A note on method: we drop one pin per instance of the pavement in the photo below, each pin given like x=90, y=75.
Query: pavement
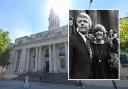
x=16, y=84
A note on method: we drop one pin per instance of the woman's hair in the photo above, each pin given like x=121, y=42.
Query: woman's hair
x=100, y=27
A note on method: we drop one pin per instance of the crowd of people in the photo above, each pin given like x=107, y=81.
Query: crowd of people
x=93, y=51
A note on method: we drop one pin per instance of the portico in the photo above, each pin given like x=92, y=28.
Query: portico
x=45, y=58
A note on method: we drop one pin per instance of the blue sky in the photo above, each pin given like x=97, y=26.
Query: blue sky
x=25, y=17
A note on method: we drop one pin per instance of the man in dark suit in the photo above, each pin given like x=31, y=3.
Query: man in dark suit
x=79, y=51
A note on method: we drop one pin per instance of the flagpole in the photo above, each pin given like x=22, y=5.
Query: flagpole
x=89, y=6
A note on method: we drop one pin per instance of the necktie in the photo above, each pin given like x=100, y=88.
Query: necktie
x=88, y=46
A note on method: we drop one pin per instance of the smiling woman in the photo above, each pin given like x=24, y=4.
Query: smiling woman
x=61, y=7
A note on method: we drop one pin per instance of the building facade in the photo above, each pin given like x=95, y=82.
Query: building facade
x=42, y=52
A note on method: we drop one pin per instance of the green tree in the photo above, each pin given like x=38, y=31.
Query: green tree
x=4, y=47
x=124, y=34
x=4, y=41
x=4, y=58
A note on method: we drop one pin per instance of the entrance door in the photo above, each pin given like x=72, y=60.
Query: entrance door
x=47, y=66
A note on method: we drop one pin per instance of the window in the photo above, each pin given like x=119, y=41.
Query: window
x=62, y=57
x=61, y=51
x=47, y=53
x=34, y=64
x=34, y=55
x=62, y=62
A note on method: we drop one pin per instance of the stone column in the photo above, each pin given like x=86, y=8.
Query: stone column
x=23, y=60
x=40, y=57
x=36, y=59
x=15, y=58
x=10, y=68
x=42, y=60
x=20, y=62
x=27, y=60
x=113, y=19
x=93, y=16
x=66, y=55
x=58, y=58
x=54, y=57
x=50, y=59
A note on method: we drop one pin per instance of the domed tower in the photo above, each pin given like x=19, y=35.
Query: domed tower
x=54, y=21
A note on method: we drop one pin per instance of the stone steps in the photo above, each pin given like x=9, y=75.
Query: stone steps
x=61, y=78
x=10, y=76
x=58, y=78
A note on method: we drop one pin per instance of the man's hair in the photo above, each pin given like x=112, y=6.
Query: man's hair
x=84, y=15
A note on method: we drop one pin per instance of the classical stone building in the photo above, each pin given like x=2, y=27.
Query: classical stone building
x=42, y=52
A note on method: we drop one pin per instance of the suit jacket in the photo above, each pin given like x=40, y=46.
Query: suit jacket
x=79, y=60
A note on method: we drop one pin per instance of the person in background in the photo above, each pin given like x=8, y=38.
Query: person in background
x=26, y=82
x=71, y=32
x=81, y=83
x=115, y=43
x=114, y=54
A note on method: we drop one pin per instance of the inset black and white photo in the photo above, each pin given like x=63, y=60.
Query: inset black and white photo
x=93, y=44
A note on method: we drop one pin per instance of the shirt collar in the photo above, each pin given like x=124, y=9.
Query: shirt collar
x=83, y=36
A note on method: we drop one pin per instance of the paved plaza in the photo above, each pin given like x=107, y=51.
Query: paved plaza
x=15, y=84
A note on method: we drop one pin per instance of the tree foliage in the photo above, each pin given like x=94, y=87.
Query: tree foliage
x=124, y=34
x=4, y=41
x=4, y=47
x=4, y=58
